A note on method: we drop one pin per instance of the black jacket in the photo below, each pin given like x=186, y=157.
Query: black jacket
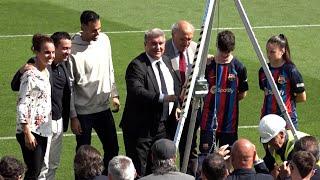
x=248, y=174
x=142, y=111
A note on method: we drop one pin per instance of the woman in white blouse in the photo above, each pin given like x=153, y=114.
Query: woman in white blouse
x=34, y=106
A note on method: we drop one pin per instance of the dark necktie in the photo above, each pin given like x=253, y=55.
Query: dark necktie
x=165, y=111
x=163, y=82
x=182, y=67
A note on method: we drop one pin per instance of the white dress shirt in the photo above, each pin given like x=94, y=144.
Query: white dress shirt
x=167, y=77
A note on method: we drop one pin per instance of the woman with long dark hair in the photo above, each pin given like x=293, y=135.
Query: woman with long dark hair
x=287, y=77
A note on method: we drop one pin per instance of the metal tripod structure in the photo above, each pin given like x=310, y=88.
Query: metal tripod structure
x=197, y=86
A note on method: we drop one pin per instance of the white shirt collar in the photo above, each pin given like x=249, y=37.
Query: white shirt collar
x=152, y=60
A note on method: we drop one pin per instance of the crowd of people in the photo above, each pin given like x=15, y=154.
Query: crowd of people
x=71, y=80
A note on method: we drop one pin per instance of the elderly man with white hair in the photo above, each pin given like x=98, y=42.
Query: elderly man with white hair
x=121, y=168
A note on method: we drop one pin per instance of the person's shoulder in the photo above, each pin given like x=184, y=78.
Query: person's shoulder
x=289, y=65
x=259, y=176
x=31, y=60
x=300, y=134
x=168, y=42
x=142, y=58
x=76, y=37
x=180, y=175
x=77, y=41
x=264, y=176
x=30, y=74
x=165, y=58
x=103, y=36
x=150, y=176
x=101, y=177
x=261, y=70
x=168, y=47
x=170, y=175
x=193, y=46
x=290, y=68
x=186, y=176
x=237, y=63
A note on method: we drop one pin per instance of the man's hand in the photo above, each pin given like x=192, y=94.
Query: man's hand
x=284, y=170
x=223, y=151
x=178, y=113
x=275, y=172
x=76, y=126
x=115, y=104
x=169, y=98
x=210, y=58
x=26, y=67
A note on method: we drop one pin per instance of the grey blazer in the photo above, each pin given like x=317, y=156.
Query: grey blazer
x=173, y=56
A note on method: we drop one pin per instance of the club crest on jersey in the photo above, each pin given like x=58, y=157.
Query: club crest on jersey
x=231, y=77
x=281, y=79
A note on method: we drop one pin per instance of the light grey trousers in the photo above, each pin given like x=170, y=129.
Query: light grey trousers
x=52, y=156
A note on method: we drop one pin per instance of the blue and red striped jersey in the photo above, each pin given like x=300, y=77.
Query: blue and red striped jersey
x=225, y=82
x=289, y=81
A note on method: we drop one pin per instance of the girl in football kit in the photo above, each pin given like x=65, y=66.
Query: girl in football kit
x=286, y=76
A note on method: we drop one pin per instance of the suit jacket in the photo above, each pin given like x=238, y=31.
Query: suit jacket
x=248, y=174
x=15, y=86
x=142, y=111
x=170, y=52
x=169, y=176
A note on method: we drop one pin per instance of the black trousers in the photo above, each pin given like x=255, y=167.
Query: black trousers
x=139, y=148
x=103, y=124
x=33, y=159
x=193, y=157
x=220, y=139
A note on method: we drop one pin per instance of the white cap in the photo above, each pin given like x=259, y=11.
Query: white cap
x=270, y=126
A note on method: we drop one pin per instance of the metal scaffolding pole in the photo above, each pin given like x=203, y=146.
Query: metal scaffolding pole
x=197, y=86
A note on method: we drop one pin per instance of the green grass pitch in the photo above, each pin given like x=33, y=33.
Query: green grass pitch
x=125, y=20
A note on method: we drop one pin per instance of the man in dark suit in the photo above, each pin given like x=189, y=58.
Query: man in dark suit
x=151, y=101
x=180, y=50
x=243, y=158
x=60, y=90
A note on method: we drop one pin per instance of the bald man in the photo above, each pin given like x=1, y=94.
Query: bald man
x=181, y=49
x=243, y=158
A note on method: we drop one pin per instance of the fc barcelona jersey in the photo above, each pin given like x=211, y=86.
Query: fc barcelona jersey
x=225, y=82
x=288, y=81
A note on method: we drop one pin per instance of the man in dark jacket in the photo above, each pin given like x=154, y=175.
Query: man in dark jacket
x=151, y=101
x=60, y=95
x=243, y=158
